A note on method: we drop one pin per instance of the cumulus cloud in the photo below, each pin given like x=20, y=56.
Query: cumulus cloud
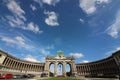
x=85, y=61
x=77, y=55
x=16, y=41
x=52, y=19
x=32, y=27
x=8, y=40
x=89, y=6
x=30, y=58
x=49, y=2
x=112, y=51
x=114, y=29
x=14, y=21
x=20, y=40
x=16, y=9
x=81, y=20
x=23, y=43
x=33, y=7
x=19, y=20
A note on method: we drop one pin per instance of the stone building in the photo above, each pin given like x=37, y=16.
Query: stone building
x=107, y=66
x=10, y=64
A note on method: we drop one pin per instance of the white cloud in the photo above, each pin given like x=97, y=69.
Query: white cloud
x=114, y=29
x=89, y=5
x=18, y=20
x=85, y=61
x=103, y=1
x=77, y=55
x=30, y=58
x=81, y=20
x=33, y=7
x=23, y=43
x=14, y=21
x=8, y=40
x=52, y=19
x=32, y=27
x=19, y=23
x=112, y=51
x=20, y=40
x=16, y=41
x=118, y=48
x=16, y=9
x=50, y=2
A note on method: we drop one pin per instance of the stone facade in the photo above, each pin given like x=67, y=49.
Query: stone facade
x=10, y=64
x=107, y=66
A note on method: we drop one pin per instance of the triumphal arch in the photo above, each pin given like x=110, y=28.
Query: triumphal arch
x=60, y=59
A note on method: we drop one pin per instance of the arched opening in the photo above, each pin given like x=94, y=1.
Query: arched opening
x=68, y=70
x=51, y=68
x=60, y=69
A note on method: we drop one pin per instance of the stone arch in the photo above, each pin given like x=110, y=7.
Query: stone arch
x=51, y=63
x=60, y=67
x=51, y=69
x=69, y=73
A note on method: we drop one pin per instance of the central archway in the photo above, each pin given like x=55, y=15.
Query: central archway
x=60, y=69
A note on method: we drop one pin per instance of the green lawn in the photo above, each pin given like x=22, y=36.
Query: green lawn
x=59, y=79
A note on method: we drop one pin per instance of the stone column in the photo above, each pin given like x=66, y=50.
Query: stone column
x=64, y=69
x=73, y=67
x=8, y=61
x=55, y=69
x=5, y=62
x=47, y=68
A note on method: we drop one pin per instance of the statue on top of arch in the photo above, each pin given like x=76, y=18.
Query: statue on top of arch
x=60, y=55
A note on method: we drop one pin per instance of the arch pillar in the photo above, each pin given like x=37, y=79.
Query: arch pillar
x=73, y=68
x=64, y=69
x=55, y=69
x=47, y=68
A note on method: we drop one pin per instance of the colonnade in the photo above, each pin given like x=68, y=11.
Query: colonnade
x=105, y=66
x=22, y=65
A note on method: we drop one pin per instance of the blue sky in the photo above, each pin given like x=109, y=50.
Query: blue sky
x=87, y=29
